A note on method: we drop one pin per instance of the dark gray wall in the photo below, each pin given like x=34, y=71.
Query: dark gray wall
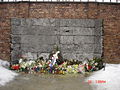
x=76, y=38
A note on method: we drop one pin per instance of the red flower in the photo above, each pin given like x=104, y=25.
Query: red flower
x=15, y=67
x=89, y=67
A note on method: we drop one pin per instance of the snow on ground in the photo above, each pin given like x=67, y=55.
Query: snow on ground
x=5, y=74
x=4, y=63
x=109, y=79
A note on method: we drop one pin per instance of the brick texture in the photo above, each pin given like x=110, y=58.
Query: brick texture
x=110, y=13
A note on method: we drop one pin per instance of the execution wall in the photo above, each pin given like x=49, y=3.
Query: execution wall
x=78, y=39
x=109, y=13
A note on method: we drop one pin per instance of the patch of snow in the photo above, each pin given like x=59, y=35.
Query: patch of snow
x=110, y=76
x=5, y=74
x=4, y=63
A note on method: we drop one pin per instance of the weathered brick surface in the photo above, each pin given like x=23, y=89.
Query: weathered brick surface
x=110, y=13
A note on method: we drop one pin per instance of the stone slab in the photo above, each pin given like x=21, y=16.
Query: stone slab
x=83, y=39
x=66, y=39
x=45, y=22
x=71, y=48
x=16, y=39
x=77, y=23
x=83, y=31
x=47, y=30
x=15, y=21
x=66, y=30
x=77, y=38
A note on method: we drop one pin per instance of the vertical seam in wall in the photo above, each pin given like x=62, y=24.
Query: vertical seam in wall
x=49, y=10
x=57, y=25
x=29, y=10
x=11, y=35
x=10, y=41
x=98, y=10
x=18, y=9
x=87, y=9
x=103, y=39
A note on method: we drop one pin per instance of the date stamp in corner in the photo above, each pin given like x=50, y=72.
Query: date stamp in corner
x=96, y=81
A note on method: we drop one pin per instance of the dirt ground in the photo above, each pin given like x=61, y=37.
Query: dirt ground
x=47, y=82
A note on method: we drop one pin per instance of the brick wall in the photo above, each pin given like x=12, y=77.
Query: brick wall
x=110, y=13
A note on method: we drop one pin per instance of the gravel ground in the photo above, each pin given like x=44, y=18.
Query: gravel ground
x=47, y=82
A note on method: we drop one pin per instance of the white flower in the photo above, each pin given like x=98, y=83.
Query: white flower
x=21, y=60
x=96, y=63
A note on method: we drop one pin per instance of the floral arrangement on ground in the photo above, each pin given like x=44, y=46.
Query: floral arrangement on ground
x=55, y=64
